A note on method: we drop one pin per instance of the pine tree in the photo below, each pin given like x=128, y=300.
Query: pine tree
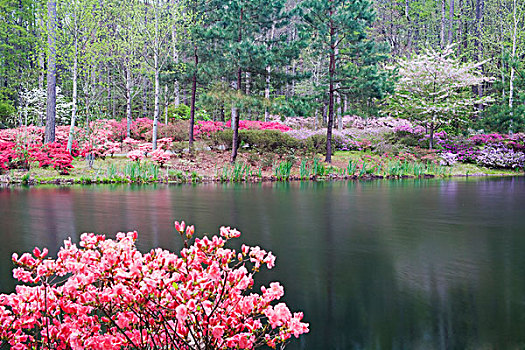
x=335, y=28
x=240, y=31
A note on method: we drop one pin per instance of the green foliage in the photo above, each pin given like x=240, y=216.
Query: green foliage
x=261, y=140
x=180, y=112
x=282, y=170
x=7, y=111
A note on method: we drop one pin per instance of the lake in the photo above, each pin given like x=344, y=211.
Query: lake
x=404, y=264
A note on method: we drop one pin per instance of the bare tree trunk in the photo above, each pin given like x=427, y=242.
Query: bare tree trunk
x=193, y=97
x=156, y=110
x=235, y=110
x=157, y=82
x=339, y=113
x=75, y=83
x=176, y=87
x=128, y=100
x=409, y=27
x=40, y=78
x=267, y=94
x=331, y=73
x=268, y=81
x=51, y=72
x=443, y=25
x=513, y=58
x=451, y=23
x=235, y=121
x=145, y=99
x=479, y=44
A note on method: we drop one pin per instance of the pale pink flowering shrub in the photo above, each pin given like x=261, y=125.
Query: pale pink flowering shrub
x=136, y=155
x=160, y=156
x=164, y=142
x=105, y=294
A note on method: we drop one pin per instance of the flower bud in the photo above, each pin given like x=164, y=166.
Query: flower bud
x=190, y=230
x=180, y=226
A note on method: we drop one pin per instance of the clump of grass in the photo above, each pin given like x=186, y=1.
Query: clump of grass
x=351, y=167
x=318, y=168
x=283, y=170
x=304, y=170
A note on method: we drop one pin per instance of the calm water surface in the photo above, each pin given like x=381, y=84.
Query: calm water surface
x=411, y=264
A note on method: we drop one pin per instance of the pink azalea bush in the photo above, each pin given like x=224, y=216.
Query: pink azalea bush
x=160, y=156
x=105, y=294
x=210, y=127
x=136, y=155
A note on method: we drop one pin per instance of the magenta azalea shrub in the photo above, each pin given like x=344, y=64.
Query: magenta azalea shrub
x=105, y=294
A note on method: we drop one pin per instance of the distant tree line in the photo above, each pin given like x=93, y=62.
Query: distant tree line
x=243, y=59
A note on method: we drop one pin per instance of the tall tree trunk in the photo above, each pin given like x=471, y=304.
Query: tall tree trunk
x=193, y=96
x=235, y=121
x=157, y=82
x=51, y=72
x=339, y=113
x=128, y=100
x=451, y=22
x=41, y=65
x=479, y=44
x=331, y=73
x=156, y=110
x=268, y=79
x=75, y=94
x=409, y=27
x=513, y=58
x=176, y=87
x=166, y=103
x=443, y=24
x=235, y=110
x=267, y=94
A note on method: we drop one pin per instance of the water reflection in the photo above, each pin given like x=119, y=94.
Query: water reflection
x=409, y=264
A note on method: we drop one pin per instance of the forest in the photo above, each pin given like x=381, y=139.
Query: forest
x=72, y=62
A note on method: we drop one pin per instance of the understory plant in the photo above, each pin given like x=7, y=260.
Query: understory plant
x=105, y=294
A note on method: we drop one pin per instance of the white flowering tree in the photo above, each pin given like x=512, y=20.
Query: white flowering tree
x=33, y=102
x=435, y=89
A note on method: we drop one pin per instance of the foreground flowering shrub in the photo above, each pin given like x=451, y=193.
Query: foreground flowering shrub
x=105, y=294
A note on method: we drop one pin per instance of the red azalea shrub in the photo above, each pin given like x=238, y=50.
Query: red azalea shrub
x=61, y=160
x=105, y=294
x=18, y=155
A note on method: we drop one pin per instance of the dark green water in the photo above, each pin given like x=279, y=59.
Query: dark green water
x=412, y=264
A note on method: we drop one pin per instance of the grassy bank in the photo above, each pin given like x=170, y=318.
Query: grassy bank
x=210, y=166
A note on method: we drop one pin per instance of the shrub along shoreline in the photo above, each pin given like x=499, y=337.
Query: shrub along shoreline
x=198, y=168
x=269, y=151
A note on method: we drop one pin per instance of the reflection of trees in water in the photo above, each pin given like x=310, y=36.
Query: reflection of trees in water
x=374, y=265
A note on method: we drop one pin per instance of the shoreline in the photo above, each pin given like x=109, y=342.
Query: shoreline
x=61, y=181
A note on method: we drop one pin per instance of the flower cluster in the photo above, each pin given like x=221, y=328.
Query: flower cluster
x=499, y=156
x=136, y=155
x=160, y=156
x=19, y=154
x=210, y=127
x=448, y=158
x=105, y=294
